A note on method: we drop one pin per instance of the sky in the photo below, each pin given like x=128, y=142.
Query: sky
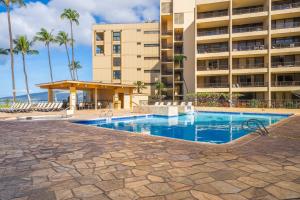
x=46, y=14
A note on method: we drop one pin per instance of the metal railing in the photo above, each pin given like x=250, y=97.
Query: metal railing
x=286, y=25
x=285, y=45
x=214, y=85
x=167, y=59
x=213, y=50
x=250, y=66
x=164, y=46
x=286, y=6
x=240, y=11
x=248, y=48
x=209, y=68
x=285, y=83
x=167, y=72
x=221, y=13
x=288, y=103
x=250, y=84
x=168, y=33
x=285, y=64
x=212, y=32
x=248, y=29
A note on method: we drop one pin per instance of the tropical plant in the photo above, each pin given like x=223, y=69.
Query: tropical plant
x=140, y=85
x=76, y=66
x=159, y=86
x=23, y=46
x=179, y=59
x=3, y=51
x=63, y=39
x=46, y=37
x=73, y=17
x=8, y=4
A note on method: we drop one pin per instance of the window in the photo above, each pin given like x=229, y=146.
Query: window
x=139, y=69
x=117, y=49
x=151, y=45
x=117, y=74
x=179, y=18
x=138, y=30
x=99, y=36
x=116, y=36
x=166, y=7
x=139, y=43
x=117, y=62
x=138, y=56
x=99, y=49
x=152, y=32
x=151, y=58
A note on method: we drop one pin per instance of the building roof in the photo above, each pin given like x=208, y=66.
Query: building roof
x=66, y=84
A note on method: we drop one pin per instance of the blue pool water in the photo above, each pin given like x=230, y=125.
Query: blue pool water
x=208, y=127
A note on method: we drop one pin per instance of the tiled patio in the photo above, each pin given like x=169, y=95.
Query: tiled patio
x=59, y=160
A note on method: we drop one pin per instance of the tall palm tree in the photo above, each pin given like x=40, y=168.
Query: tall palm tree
x=140, y=86
x=7, y=4
x=63, y=39
x=47, y=38
x=76, y=66
x=3, y=51
x=73, y=17
x=159, y=86
x=23, y=46
x=179, y=59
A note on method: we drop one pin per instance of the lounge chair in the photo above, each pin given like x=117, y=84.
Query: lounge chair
x=169, y=103
x=190, y=104
x=13, y=106
x=183, y=104
x=15, y=109
x=27, y=108
x=50, y=107
x=175, y=103
x=40, y=106
x=47, y=107
x=156, y=104
x=162, y=103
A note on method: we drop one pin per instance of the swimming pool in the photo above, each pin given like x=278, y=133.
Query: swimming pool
x=211, y=127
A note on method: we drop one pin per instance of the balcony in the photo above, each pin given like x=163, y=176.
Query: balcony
x=166, y=47
x=248, y=29
x=213, y=50
x=249, y=48
x=212, y=68
x=248, y=10
x=178, y=38
x=250, y=66
x=285, y=45
x=218, y=31
x=285, y=6
x=285, y=83
x=167, y=72
x=214, y=85
x=212, y=14
x=167, y=33
x=285, y=25
x=166, y=8
x=285, y=64
x=167, y=59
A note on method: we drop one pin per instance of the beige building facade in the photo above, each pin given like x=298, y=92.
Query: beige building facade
x=248, y=47
x=127, y=53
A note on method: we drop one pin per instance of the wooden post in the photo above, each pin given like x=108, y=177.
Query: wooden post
x=50, y=95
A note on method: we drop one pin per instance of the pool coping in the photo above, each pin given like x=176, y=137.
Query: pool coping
x=239, y=141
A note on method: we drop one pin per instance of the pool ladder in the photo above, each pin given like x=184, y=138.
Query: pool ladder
x=256, y=126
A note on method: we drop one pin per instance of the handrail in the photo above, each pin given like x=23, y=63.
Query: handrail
x=285, y=64
x=258, y=127
x=286, y=25
x=240, y=11
x=285, y=45
x=286, y=6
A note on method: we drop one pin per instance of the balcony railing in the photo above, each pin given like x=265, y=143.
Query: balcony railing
x=285, y=83
x=167, y=33
x=178, y=51
x=167, y=72
x=214, y=85
x=213, y=50
x=210, y=68
x=285, y=64
x=221, y=13
x=286, y=6
x=250, y=84
x=285, y=45
x=213, y=32
x=240, y=11
x=167, y=59
x=167, y=46
x=286, y=25
x=178, y=37
x=250, y=66
x=248, y=29
x=249, y=48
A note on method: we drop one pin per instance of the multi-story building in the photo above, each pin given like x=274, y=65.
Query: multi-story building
x=127, y=53
x=250, y=47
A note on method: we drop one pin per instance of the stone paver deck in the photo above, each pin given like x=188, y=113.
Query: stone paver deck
x=58, y=160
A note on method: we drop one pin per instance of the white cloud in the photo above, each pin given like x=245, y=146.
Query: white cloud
x=28, y=20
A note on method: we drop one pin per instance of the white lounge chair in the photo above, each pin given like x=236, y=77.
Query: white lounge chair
x=162, y=103
x=183, y=104
x=13, y=106
x=15, y=109
x=190, y=104
x=169, y=103
x=175, y=103
x=156, y=104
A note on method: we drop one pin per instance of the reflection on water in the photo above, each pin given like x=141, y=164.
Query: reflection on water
x=202, y=127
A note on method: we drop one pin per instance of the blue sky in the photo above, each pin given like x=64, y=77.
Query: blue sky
x=44, y=13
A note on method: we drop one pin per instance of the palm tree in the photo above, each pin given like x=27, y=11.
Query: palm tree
x=7, y=4
x=159, y=86
x=47, y=38
x=3, y=51
x=179, y=59
x=140, y=86
x=77, y=66
x=73, y=17
x=63, y=39
x=23, y=46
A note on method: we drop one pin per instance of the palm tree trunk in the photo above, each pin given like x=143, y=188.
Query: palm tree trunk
x=73, y=56
x=77, y=74
x=26, y=78
x=69, y=62
x=50, y=65
x=12, y=64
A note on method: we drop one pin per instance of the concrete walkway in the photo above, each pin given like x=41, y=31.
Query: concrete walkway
x=59, y=160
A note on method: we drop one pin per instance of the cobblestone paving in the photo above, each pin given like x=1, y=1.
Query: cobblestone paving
x=59, y=160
